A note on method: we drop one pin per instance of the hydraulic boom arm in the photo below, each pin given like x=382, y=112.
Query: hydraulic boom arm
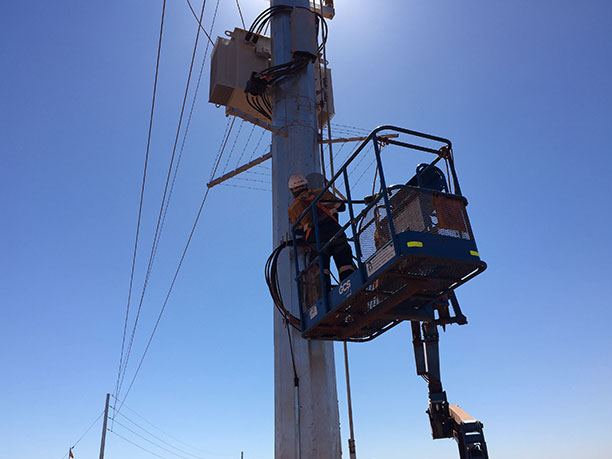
x=447, y=421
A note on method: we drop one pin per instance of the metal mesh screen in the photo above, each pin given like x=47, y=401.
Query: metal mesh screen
x=414, y=209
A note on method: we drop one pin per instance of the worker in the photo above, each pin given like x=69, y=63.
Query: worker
x=429, y=177
x=327, y=218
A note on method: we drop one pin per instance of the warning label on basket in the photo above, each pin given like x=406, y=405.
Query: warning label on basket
x=379, y=259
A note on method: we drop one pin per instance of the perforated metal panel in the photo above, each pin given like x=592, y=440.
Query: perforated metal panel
x=414, y=209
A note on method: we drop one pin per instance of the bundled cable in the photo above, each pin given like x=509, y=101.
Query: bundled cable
x=271, y=272
x=260, y=21
x=257, y=87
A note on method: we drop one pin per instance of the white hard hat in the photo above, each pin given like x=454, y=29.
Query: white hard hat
x=297, y=181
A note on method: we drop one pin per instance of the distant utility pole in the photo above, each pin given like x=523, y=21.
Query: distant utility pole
x=103, y=441
x=306, y=415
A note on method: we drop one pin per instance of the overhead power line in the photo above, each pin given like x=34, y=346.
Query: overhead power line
x=257, y=146
x=150, y=441
x=144, y=177
x=86, y=432
x=240, y=12
x=200, y=23
x=245, y=146
x=188, y=124
x=233, y=146
x=161, y=210
x=157, y=438
x=137, y=445
x=178, y=269
x=163, y=432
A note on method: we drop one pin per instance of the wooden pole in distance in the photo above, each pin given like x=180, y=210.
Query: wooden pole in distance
x=103, y=441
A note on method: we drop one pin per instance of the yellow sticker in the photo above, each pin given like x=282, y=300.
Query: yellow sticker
x=415, y=244
x=473, y=252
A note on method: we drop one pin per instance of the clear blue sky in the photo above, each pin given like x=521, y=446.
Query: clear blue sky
x=523, y=90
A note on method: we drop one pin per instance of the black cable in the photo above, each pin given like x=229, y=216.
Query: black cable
x=149, y=441
x=167, y=295
x=157, y=229
x=245, y=187
x=137, y=445
x=263, y=18
x=271, y=275
x=178, y=269
x=156, y=427
x=258, y=82
x=241, y=17
x=144, y=176
x=233, y=146
x=245, y=146
x=257, y=146
x=199, y=21
x=254, y=103
x=157, y=438
x=296, y=379
x=193, y=101
x=87, y=431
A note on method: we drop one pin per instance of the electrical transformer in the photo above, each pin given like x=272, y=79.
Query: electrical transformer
x=232, y=63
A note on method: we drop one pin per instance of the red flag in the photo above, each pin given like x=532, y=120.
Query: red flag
x=70, y=455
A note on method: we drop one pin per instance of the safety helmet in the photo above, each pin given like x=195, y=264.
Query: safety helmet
x=297, y=181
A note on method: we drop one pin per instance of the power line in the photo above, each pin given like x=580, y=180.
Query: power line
x=200, y=23
x=244, y=187
x=178, y=440
x=267, y=182
x=241, y=17
x=245, y=146
x=229, y=123
x=258, y=173
x=157, y=438
x=137, y=445
x=157, y=229
x=150, y=441
x=257, y=146
x=195, y=95
x=161, y=312
x=363, y=173
x=86, y=432
x=144, y=176
x=233, y=146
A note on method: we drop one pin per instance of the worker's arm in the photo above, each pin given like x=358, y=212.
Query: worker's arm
x=333, y=203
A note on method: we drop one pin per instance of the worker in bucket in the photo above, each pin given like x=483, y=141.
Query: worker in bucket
x=327, y=218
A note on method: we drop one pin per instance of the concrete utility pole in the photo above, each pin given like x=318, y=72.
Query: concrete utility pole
x=306, y=419
x=103, y=441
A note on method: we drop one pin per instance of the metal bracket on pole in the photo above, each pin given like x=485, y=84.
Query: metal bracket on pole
x=252, y=119
x=355, y=139
x=239, y=170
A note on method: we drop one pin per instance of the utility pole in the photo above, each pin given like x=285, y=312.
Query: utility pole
x=103, y=441
x=306, y=415
x=351, y=442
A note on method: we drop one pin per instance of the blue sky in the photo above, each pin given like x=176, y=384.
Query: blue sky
x=523, y=90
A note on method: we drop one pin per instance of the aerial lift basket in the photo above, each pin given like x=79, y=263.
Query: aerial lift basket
x=406, y=264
